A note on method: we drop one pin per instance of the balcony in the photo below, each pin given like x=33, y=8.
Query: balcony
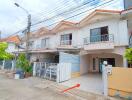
x=99, y=42
x=47, y=46
x=65, y=42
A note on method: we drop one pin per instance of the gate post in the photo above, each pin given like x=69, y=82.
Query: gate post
x=105, y=80
x=13, y=65
x=107, y=70
x=34, y=68
x=3, y=65
x=58, y=73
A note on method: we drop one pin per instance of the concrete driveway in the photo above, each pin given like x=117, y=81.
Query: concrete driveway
x=27, y=89
x=39, y=89
x=89, y=82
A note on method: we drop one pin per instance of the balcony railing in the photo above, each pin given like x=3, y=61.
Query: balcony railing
x=66, y=42
x=99, y=38
x=45, y=46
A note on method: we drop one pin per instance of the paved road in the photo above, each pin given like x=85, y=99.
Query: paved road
x=38, y=89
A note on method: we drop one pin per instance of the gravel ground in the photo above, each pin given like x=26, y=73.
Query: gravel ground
x=40, y=89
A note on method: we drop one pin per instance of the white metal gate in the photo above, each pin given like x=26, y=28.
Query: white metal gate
x=52, y=71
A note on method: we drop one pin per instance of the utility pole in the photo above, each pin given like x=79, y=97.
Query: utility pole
x=28, y=35
x=28, y=29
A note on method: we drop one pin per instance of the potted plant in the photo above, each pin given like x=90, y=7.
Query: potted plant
x=23, y=64
x=28, y=71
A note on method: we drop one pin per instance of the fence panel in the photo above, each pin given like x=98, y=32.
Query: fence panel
x=8, y=64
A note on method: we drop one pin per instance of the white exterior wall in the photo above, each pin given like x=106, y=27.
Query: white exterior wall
x=75, y=38
x=52, y=41
x=115, y=27
x=123, y=33
x=11, y=47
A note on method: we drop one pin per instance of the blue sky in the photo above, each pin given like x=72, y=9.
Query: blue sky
x=13, y=19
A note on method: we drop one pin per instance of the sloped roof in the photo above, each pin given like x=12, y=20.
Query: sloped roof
x=14, y=39
x=97, y=12
x=42, y=30
x=63, y=25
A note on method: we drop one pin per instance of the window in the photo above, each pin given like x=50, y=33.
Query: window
x=45, y=42
x=30, y=44
x=66, y=39
x=99, y=34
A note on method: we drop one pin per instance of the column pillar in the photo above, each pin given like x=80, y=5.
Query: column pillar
x=125, y=62
x=3, y=66
x=13, y=66
x=34, y=68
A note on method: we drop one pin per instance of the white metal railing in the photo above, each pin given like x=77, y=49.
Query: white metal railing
x=58, y=72
x=45, y=46
x=99, y=38
x=7, y=65
x=66, y=42
x=45, y=70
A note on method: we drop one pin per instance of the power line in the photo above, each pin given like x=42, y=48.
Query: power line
x=62, y=13
x=79, y=13
x=58, y=7
x=73, y=15
x=55, y=10
x=73, y=8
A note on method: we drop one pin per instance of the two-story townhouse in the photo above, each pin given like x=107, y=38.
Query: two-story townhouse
x=107, y=39
x=100, y=36
x=42, y=46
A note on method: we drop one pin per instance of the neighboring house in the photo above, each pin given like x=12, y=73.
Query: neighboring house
x=127, y=4
x=13, y=42
x=127, y=14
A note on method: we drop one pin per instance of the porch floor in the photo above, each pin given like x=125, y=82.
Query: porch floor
x=89, y=82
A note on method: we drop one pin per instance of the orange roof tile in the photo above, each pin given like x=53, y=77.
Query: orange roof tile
x=61, y=24
x=109, y=11
x=14, y=39
x=99, y=11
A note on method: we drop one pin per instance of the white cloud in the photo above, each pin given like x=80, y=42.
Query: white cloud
x=13, y=19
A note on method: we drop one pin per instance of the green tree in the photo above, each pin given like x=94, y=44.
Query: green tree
x=3, y=54
x=128, y=55
x=23, y=63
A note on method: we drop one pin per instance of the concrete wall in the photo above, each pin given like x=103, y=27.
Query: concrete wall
x=84, y=64
x=120, y=82
x=43, y=57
